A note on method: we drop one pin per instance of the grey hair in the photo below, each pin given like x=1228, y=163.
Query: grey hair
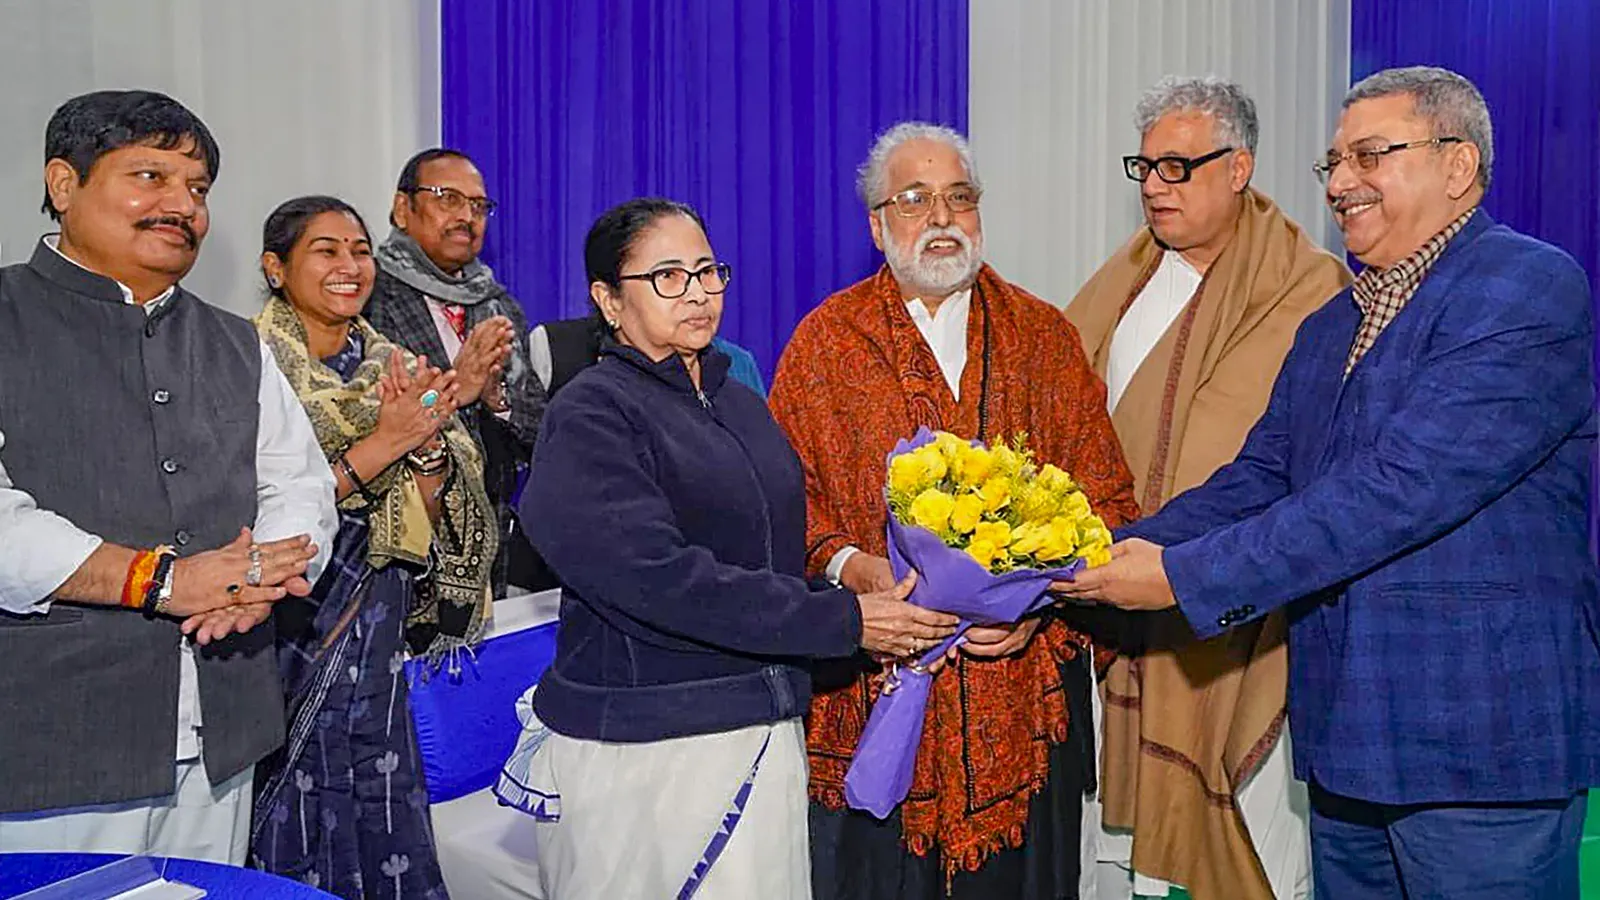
x=1449, y=102
x=872, y=177
x=1226, y=102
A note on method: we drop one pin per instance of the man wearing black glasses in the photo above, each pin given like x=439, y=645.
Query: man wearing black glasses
x=437, y=299
x=1187, y=323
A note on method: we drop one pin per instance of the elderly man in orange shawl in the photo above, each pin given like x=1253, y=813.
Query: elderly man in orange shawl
x=937, y=338
x=1188, y=324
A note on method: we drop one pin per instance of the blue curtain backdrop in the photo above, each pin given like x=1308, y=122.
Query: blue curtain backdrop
x=1537, y=63
x=755, y=111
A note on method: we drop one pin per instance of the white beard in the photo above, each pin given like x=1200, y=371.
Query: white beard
x=939, y=275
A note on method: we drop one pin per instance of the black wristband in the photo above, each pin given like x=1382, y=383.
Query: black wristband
x=152, y=594
x=355, y=480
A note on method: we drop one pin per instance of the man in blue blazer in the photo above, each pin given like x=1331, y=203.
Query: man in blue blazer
x=1416, y=495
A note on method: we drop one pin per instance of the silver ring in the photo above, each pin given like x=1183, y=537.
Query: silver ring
x=252, y=576
x=429, y=397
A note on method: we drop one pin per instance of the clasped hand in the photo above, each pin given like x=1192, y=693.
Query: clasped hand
x=211, y=593
x=870, y=576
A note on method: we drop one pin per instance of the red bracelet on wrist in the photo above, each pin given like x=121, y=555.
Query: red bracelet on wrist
x=141, y=574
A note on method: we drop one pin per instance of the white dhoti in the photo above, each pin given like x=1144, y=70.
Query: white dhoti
x=635, y=819
x=196, y=821
x=1276, y=809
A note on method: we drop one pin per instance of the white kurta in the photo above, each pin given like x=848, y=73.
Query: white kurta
x=1275, y=807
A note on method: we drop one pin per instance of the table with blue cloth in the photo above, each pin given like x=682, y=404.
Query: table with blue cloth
x=24, y=872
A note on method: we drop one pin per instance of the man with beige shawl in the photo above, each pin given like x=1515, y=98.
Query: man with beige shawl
x=1188, y=323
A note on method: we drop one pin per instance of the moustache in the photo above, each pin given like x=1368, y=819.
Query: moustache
x=468, y=230
x=1344, y=202
x=949, y=232
x=181, y=224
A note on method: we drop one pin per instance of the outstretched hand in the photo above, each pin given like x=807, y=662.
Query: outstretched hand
x=1135, y=579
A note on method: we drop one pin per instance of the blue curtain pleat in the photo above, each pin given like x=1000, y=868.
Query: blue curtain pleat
x=755, y=111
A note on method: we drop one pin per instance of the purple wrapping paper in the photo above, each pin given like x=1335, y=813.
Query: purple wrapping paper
x=950, y=581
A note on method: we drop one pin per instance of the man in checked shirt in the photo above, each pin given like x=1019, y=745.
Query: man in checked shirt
x=1416, y=497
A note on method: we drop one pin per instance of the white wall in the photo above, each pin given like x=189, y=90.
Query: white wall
x=1054, y=83
x=304, y=96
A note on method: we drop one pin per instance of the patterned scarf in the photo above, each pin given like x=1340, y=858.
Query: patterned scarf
x=856, y=376
x=455, y=604
x=1187, y=720
x=400, y=256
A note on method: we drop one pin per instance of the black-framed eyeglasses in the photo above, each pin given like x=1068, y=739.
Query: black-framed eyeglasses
x=1367, y=158
x=1171, y=169
x=918, y=202
x=453, y=201
x=673, y=282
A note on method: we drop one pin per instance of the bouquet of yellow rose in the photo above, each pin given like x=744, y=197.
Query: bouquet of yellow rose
x=986, y=529
x=996, y=504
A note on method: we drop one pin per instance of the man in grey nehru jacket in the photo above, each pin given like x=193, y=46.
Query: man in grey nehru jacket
x=160, y=488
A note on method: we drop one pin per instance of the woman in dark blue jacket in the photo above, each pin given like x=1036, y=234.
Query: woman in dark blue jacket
x=672, y=509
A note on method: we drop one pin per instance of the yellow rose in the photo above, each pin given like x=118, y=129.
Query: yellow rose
x=948, y=446
x=1061, y=539
x=982, y=551
x=1027, y=538
x=932, y=510
x=996, y=493
x=1098, y=557
x=973, y=466
x=997, y=534
x=1076, y=506
x=907, y=474
x=1032, y=502
x=1006, y=460
x=1093, y=531
x=1054, y=480
x=934, y=466
x=964, y=516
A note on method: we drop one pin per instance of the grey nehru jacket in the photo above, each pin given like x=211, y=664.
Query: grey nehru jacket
x=141, y=430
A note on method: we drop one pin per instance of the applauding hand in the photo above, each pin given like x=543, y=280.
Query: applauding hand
x=482, y=357
x=414, y=407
